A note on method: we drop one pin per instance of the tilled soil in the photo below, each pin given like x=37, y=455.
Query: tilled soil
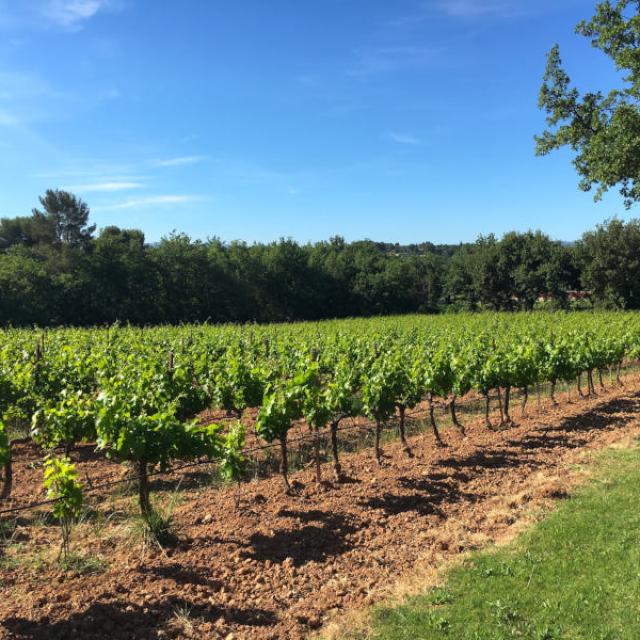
x=278, y=567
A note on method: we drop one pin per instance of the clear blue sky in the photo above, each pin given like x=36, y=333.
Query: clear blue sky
x=403, y=120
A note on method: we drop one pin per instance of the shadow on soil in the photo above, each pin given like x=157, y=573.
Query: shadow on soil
x=609, y=414
x=322, y=535
x=182, y=575
x=393, y=504
x=427, y=494
x=614, y=413
x=488, y=459
x=540, y=442
x=120, y=620
x=316, y=535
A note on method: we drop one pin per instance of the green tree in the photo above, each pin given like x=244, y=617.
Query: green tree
x=25, y=288
x=126, y=282
x=610, y=258
x=602, y=129
x=525, y=260
x=69, y=216
x=492, y=284
x=459, y=289
x=27, y=231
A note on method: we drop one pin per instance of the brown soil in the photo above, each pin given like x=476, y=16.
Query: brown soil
x=281, y=566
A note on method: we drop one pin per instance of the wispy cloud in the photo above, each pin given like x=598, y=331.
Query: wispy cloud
x=383, y=59
x=71, y=14
x=91, y=174
x=403, y=138
x=105, y=187
x=458, y=9
x=243, y=171
x=20, y=86
x=479, y=8
x=134, y=203
x=8, y=119
x=26, y=97
x=180, y=162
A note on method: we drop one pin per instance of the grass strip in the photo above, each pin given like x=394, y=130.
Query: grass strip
x=575, y=575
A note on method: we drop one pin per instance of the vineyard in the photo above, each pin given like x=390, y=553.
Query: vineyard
x=242, y=402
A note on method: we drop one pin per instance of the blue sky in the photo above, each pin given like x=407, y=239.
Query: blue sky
x=403, y=120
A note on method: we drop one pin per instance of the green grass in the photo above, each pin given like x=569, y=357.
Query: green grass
x=84, y=564
x=575, y=575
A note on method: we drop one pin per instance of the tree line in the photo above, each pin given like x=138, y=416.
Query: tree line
x=55, y=269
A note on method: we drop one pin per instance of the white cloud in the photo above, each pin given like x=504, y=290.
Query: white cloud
x=179, y=162
x=43, y=14
x=18, y=86
x=105, y=187
x=478, y=8
x=403, y=138
x=382, y=59
x=71, y=14
x=112, y=173
x=7, y=119
x=25, y=98
x=134, y=203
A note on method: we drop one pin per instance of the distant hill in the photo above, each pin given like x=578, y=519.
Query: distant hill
x=421, y=248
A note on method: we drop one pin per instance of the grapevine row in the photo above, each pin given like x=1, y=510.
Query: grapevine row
x=139, y=394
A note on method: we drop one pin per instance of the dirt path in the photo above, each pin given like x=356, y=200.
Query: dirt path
x=282, y=566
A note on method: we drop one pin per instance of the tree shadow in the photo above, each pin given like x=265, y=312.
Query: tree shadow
x=611, y=414
x=544, y=441
x=312, y=542
x=346, y=479
x=102, y=621
x=439, y=487
x=488, y=459
x=597, y=420
x=393, y=504
x=427, y=494
x=621, y=405
x=181, y=575
x=457, y=476
x=304, y=516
